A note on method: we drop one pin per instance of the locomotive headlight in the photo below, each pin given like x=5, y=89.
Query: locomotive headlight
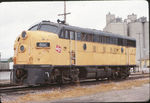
x=22, y=48
x=24, y=35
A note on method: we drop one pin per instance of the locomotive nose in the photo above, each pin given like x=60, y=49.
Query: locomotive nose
x=21, y=48
x=33, y=47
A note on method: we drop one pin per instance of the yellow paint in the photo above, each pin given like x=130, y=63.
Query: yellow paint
x=95, y=54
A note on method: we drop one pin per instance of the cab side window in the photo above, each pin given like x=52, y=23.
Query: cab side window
x=124, y=42
x=67, y=35
x=131, y=43
x=120, y=41
x=72, y=35
x=83, y=37
x=100, y=39
x=107, y=40
x=89, y=37
x=78, y=36
x=104, y=39
x=111, y=40
x=96, y=38
x=62, y=34
x=114, y=41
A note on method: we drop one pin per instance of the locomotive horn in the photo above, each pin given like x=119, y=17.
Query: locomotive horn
x=58, y=20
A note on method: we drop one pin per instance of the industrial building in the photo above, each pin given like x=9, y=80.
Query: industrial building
x=137, y=28
x=4, y=64
x=115, y=25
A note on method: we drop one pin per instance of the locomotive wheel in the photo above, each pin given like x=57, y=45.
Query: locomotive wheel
x=97, y=79
x=60, y=80
x=56, y=76
x=125, y=73
x=67, y=75
x=74, y=75
x=20, y=73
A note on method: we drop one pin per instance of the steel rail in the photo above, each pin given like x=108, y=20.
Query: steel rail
x=14, y=89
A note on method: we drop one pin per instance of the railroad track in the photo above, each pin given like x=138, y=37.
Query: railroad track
x=12, y=89
x=136, y=76
x=6, y=85
x=15, y=89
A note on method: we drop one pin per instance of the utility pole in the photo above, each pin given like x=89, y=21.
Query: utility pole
x=140, y=49
x=64, y=14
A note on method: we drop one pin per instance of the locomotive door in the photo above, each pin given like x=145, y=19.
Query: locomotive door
x=72, y=43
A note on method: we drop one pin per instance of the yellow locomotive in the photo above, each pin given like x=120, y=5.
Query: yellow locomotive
x=54, y=52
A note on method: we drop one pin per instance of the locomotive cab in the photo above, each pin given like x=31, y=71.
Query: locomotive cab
x=35, y=43
x=33, y=52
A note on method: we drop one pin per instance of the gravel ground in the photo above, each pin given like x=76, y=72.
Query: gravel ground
x=137, y=94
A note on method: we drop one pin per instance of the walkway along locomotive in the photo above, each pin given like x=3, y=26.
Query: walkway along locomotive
x=56, y=53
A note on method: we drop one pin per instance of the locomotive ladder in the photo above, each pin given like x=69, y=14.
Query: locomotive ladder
x=73, y=48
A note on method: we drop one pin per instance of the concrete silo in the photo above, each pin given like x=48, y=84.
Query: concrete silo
x=115, y=25
x=136, y=31
x=146, y=40
x=133, y=27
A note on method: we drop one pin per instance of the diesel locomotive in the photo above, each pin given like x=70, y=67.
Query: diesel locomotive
x=51, y=52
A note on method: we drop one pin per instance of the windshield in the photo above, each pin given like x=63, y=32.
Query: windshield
x=48, y=28
x=45, y=27
x=33, y=28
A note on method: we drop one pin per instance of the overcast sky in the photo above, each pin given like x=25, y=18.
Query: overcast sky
x=18, y=16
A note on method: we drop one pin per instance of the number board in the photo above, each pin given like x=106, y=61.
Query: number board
x=43, y=44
